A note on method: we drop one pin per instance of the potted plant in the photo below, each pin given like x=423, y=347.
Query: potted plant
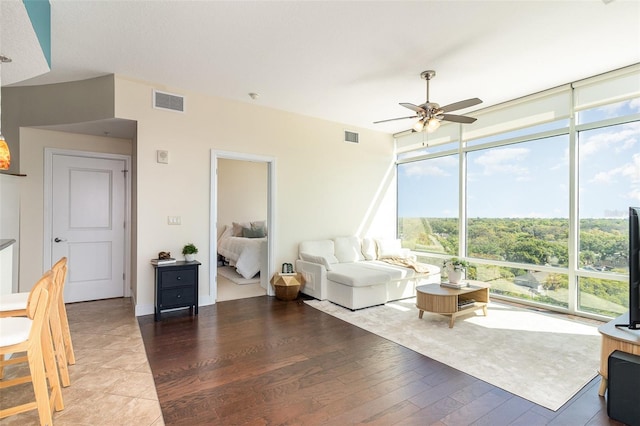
x=455, y=268
x=189, y=251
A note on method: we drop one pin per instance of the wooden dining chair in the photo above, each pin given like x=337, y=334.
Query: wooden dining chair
x=12, y=305
x=31, y=334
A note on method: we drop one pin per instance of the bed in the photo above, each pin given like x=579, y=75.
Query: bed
x=243, y=245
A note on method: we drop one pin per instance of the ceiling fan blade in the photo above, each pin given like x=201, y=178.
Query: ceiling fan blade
x=404, y=132
x=458, y=118
x=413, y=107
x=460, y=105
x=393, y=119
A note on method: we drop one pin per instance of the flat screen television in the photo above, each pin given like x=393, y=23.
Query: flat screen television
x=634, y=268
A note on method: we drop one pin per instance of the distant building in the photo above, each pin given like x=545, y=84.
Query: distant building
x=533, y=280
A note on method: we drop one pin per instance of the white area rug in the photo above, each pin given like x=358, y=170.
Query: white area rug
x=230, y=273
x=544, y=358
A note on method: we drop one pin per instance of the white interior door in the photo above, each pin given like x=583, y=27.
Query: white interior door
x=88, y=225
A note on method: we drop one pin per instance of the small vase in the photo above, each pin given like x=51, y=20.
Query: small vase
x=454, y=276
x=189, y=257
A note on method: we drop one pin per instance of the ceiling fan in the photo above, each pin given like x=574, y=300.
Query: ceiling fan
x=430, y=114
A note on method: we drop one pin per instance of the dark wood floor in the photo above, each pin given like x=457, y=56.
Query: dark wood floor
x=265, y=361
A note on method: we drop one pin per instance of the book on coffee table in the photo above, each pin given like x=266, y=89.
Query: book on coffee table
x=457, y=286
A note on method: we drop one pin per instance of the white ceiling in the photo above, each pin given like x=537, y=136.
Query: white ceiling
x=344, y=61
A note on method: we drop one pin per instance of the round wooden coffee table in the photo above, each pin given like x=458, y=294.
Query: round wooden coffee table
x=452, y=302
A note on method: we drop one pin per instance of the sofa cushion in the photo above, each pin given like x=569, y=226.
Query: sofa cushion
x=308, y=257
x=396, y=272
x=391, y=248
x=369, y=249
x=347, y=249
x=354, y=275
x=322, y=248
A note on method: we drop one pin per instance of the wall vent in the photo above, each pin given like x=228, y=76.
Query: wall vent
x=168, y=101
x=352, y=137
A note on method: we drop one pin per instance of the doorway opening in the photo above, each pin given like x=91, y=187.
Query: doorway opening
x=242, y=225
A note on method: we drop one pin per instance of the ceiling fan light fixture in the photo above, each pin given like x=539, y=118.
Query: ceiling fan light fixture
x=419, y=125
x=433, y=124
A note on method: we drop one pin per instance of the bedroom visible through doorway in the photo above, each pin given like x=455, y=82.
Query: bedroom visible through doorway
x=241, y=245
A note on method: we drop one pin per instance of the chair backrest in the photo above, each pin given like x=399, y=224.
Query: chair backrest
x=59, y=277
x=37, y=306
x=60, y=271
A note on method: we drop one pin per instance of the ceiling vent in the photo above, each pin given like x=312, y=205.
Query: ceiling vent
x=352, y=137
x=168, y=101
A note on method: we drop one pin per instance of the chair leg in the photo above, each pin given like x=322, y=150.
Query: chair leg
x=66, y=333
x=39, y=382
x=51, y=371
x=58, y=346
x=38, y=379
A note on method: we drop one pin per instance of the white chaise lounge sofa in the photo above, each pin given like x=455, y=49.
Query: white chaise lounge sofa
x=356, y=273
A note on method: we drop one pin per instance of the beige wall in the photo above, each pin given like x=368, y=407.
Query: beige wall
x=325, y=187
x=32, y=145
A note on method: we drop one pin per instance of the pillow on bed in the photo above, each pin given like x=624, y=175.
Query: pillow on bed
x=253, y=232
x=308, y=257
x=228, y=232
x=260, y=224
x=237, y=228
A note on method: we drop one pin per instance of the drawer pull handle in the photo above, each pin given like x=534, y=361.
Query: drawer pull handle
x=179, y=278
x=179, y=296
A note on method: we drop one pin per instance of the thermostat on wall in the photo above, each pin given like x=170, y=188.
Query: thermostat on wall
x=162, y=156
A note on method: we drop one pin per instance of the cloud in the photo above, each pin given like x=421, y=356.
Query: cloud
x=440, y=166
x=634, y=194
x=503, y=161
x=619, y=139
x=621, y=108
x=629, y=171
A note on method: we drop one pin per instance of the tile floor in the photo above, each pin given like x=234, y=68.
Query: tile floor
x=111, y=382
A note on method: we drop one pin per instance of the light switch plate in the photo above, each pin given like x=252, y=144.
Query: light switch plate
x=162, y=156
x=174, y=220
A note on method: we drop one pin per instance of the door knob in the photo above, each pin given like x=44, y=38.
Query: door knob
x=59, y=240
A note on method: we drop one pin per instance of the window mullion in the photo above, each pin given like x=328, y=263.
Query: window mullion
x=574, y=226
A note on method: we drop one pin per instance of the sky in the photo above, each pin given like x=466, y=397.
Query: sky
x=531, y=179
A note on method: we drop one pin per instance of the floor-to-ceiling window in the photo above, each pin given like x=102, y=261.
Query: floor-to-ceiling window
x=534, y=194
x=608, y=141
x=518, y=213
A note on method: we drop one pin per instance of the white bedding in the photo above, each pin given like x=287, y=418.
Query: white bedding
x=242, y=253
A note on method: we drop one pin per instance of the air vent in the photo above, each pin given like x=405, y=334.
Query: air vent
x=352, y=137
x=168, y=101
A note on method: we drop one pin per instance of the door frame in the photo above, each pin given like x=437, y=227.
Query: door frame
x=213, y=227
x=47, y=234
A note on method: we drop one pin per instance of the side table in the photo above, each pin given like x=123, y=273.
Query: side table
x=287, y=286
x=176, y=286
x=615, y=339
